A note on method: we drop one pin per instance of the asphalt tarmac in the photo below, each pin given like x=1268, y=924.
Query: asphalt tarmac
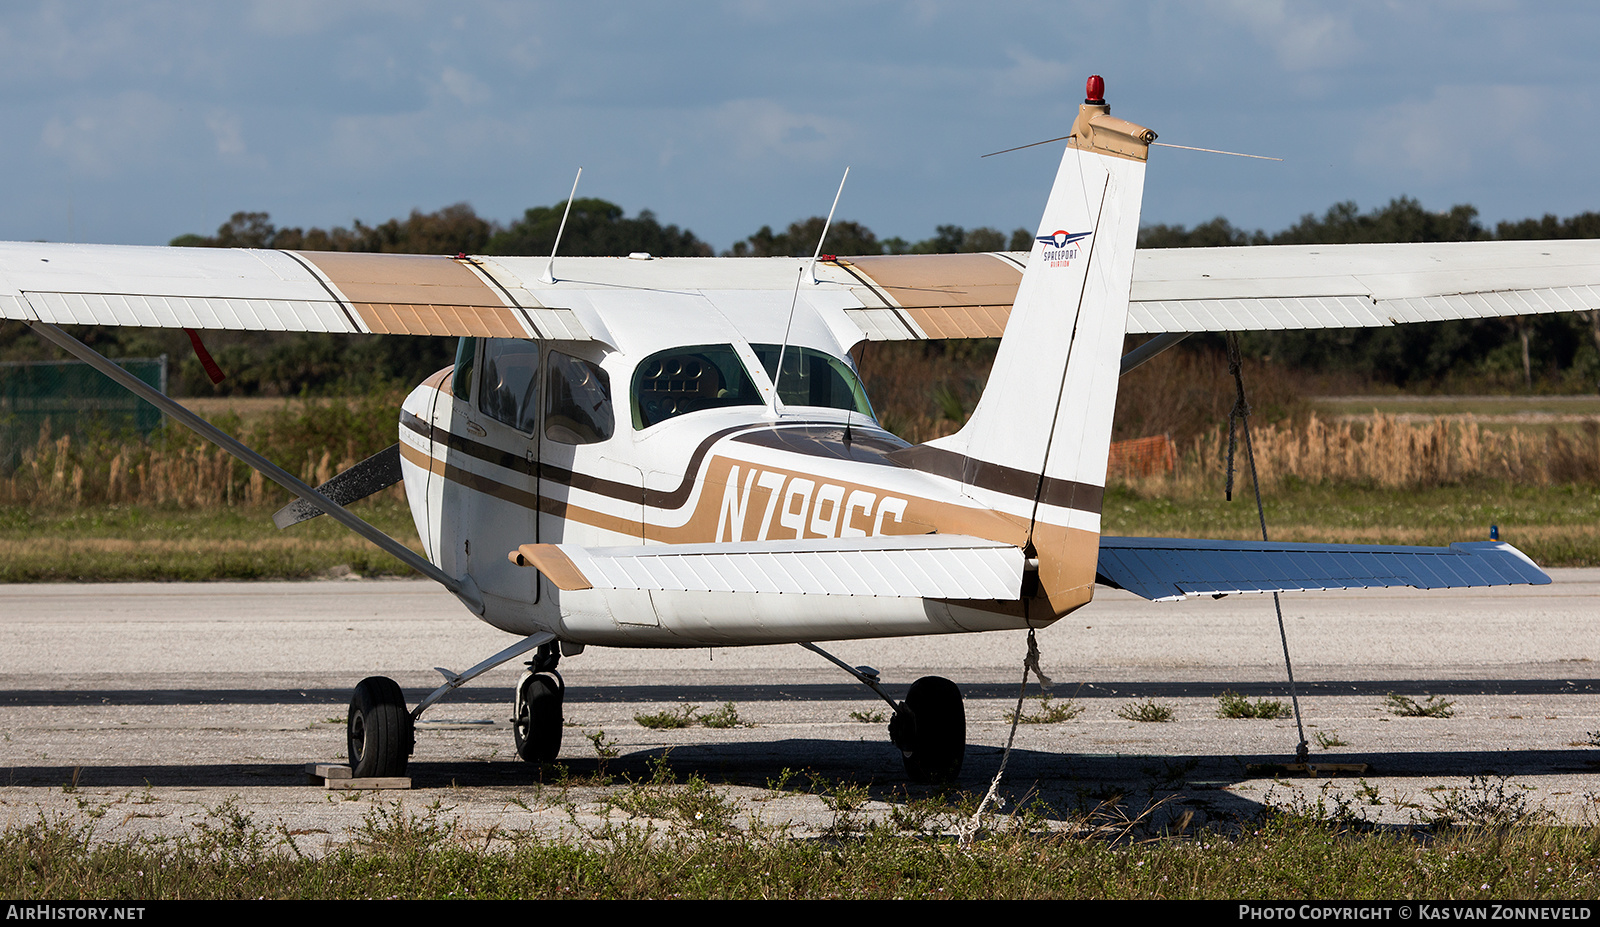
x=155, y=709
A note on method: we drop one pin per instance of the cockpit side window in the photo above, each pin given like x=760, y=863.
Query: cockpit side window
x=578, y=410
x=682, y=380
x=509, y=391
x=813, y=378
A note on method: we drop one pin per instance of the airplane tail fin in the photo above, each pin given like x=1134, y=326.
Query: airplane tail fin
x=1037, y=443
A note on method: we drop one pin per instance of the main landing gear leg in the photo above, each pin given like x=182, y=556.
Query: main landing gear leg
x=929, y=726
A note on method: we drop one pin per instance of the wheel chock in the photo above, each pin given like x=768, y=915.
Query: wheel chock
x=337, y=776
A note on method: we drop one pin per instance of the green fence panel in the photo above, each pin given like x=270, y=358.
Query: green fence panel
x=70, y=397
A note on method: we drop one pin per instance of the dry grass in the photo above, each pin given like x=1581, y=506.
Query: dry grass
x=1389, y=454
x=313, y=440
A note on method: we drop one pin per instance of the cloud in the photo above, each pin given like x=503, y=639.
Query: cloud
x=1458, y=129
x=228, y=132
x=107, y=135
x=1301, y=36
x=761, y=129
x=463, y=86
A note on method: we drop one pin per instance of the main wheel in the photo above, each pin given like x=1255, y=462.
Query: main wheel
x=931, y=730
x=537, y=726
x=378, y=729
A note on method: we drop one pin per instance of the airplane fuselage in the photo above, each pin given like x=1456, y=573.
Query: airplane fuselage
x=479, y=490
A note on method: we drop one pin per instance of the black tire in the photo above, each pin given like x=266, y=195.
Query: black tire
x=931, y=731
x=537, y=726
x=378, y=730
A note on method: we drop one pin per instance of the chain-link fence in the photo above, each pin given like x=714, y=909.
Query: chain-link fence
x=70, y=397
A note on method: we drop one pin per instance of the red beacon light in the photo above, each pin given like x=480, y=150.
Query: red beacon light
x=1094, y=90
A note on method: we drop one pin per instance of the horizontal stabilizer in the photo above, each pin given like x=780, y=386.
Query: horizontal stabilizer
x=1169, y=569
x=935, y=566
x=380, y=471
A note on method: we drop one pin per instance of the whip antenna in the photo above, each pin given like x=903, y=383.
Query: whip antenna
x=824, y=236
x=550, y=267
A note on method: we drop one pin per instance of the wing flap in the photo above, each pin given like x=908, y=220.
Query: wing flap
x=920, y=566
x=1170, y=569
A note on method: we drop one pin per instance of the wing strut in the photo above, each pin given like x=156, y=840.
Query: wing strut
x=462, y=590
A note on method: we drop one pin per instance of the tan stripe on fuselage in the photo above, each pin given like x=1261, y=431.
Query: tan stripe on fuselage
x=411, y=294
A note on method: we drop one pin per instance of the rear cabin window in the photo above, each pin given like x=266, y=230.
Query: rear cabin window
x=510, y=389
x=579, y=408
x=684, y=380
x=813, y=378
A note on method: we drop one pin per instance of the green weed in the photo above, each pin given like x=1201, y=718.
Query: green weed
x=1050, y=712
x=1233, y=705
x=666, y=719
x=604, y=747
x=1434, y=707
x=1146, y=711
x=725, y=717
x=1484, y=802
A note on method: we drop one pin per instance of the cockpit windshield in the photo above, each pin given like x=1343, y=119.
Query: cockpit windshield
x=813, y=378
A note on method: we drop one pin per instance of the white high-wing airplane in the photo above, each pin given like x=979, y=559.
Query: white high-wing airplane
x=645, y=452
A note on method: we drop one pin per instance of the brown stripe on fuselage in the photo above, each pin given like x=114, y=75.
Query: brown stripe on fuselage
x=520, y=497
x=627, y=492
x=413, y=294
x=1010, y=481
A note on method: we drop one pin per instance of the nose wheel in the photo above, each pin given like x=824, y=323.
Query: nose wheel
x=536, y=724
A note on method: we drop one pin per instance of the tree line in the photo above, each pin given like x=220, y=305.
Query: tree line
x=1558, y=353
x=594, y=228
x=1555, y=352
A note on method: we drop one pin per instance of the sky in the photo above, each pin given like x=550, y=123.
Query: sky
x=131, y=123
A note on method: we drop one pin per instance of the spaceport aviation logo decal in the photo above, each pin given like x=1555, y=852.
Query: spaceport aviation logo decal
x=1061, y=246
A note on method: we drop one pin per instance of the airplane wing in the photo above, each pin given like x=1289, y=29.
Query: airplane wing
x=1170, y=569
x=259, y=290
x=936, y=566
x=881, y=297
x=1245, y=288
